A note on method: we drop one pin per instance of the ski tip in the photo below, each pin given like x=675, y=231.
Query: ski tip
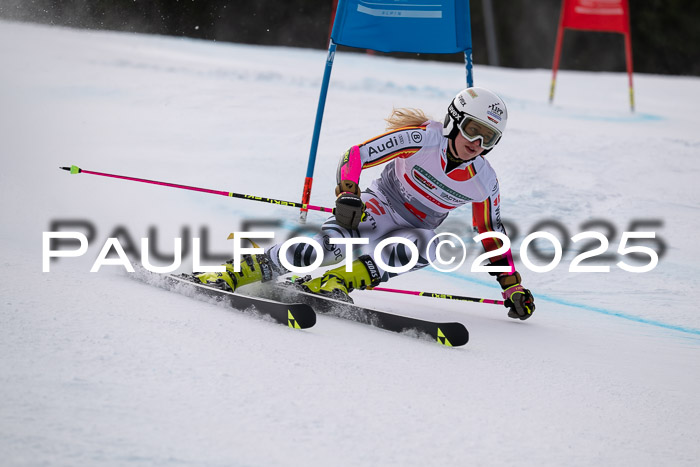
x=452, y=334
x=303, y=316
x=74, y=169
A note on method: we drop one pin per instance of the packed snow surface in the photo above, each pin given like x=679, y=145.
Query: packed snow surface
x=101, y=369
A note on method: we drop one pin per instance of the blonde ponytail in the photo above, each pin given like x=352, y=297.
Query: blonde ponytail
x=403, y=116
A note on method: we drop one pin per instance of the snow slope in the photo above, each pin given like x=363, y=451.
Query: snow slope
x=99, y=369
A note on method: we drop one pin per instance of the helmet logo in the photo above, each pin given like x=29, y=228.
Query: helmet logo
x=496, y=109
x=472, y=93
x=454, y=113
x=495, y=113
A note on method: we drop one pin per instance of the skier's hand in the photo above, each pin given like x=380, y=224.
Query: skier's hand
x=519, y=300
x=349, y=208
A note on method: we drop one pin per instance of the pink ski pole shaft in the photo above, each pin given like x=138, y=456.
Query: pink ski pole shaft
x=77, y=170
x=439, y=295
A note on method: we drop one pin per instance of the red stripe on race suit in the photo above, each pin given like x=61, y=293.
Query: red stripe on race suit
x=374, y=206
x=481, y=219
x=457, y=174
x=415, y=211
x=426, y=195
x=402, y=154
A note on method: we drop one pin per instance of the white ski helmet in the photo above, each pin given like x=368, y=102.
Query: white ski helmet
x=481, y=106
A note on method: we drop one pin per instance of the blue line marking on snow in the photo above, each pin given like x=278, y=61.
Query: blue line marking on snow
x=626, y=316
x=605, y=311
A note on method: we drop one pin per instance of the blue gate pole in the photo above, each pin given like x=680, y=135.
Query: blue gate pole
x=306, y=195
x=468, y=65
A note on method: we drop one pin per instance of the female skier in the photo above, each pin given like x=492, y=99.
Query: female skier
x=432, y=168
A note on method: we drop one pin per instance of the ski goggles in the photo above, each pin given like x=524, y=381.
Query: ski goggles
x=473, y=129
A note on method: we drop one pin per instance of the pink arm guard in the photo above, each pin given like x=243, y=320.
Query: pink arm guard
x=350, y=166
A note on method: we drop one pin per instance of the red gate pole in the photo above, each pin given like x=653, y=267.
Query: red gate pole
x=557, y=53
x=628, y=56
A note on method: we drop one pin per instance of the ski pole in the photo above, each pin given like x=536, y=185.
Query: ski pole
x=439, y=295
x=77, y=170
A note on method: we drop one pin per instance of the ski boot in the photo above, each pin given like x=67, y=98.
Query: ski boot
x=254, y=268
x=337, y=283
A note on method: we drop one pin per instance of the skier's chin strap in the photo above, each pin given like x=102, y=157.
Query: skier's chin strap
x=454, y=160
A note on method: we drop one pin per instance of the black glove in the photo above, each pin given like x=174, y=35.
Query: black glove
x=349, y=208
x=519, y=300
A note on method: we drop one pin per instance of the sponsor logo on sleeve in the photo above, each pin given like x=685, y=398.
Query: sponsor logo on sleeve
x=384, y=145
x=391, y=143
